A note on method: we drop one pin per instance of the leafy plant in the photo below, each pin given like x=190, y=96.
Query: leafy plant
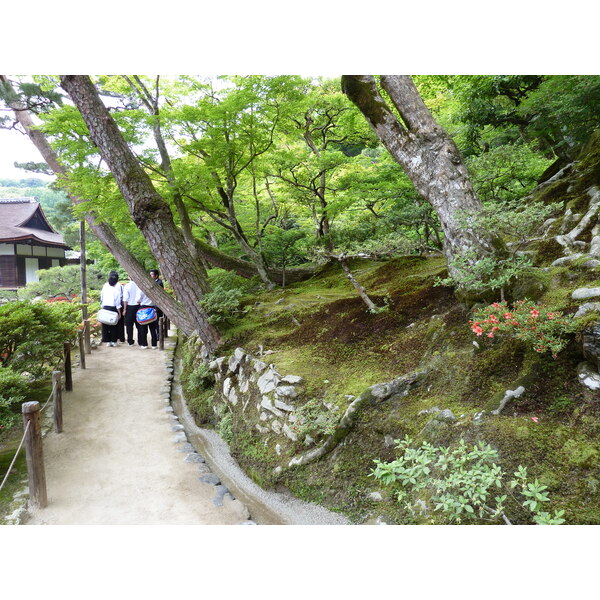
x=313, y=418
x=460, y=483
x=32, y=335
x=527, y=321
x=13, y=390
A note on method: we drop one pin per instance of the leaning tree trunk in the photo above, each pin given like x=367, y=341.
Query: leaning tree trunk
x=427, y=154
x=149, y=211
x=173, y=309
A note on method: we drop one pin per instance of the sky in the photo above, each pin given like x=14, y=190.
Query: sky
x=16, y=147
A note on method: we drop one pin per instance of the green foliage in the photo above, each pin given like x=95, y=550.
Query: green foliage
x=314, y=419
x=13, y=390
x=225, y=427
x=480, y=275
x=460, y=484
x=516, y=224
x=506, y=173
x=32, y=336
x=223, y=301
x=63, y=282
x=540, y=326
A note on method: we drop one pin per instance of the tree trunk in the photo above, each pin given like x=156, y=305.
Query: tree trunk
x=427, y=154
x=149, y=211
x=173, y=309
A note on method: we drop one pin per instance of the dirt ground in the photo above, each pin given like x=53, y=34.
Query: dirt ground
x=118, y=460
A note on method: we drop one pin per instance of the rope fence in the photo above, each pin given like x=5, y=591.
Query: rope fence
x=15, y=456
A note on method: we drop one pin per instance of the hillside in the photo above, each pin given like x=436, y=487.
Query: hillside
x=453, y=389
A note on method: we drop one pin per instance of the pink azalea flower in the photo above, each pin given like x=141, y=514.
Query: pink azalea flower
x=535, y=419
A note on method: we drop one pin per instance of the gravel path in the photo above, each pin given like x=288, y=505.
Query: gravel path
x=122, y=457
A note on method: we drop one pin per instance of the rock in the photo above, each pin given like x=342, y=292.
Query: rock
x=591, y=343
x=388, y=440
x=180, y=437
x=429, y=411
x=445, y=415
x=583, y=293
x=262, y=429
x=194, y=457
x=263, y=416
x=286, y=391
x=566, y=259
x=259, y=365
x=595, y=247
x=226, y=387
x=187, y=448
x=268, y=381
x=276, y=426
x=508, y=395
x=591, y=264
x=239, y=509
x=375, y=497
x=292, y=379
x=217, y=365
x=220, y=491
x=289, y=433
x=247, y=523
x=233, y=364
x=233, y=396
x=308, y=441
x=210, y=478
x=283, y=406
x=266, y=403
x=280, y=301
x=178, y=427
x=278, y=449
x=587, y=307
x=588, y=376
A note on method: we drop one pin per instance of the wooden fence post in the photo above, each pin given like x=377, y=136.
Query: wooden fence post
x=36, y=474
x=161, y=333
x=81, y=349
x=57, y=398
x=68, y=373
x=86, y=336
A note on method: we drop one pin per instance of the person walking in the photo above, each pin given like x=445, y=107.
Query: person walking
x=130, y=308
x=145, y=302
x=111, y=298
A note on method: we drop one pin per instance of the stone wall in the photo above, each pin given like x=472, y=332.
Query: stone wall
x=264, y=398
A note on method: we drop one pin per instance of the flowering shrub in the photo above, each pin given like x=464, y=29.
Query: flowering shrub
x=526, y=321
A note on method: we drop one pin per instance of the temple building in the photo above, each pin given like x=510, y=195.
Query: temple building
x=28, y=242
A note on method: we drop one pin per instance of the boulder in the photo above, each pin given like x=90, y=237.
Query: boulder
x=268, y=381
x=286, y=391
x=591, y=343
x=588, y=376
x=587, y=307
x=292, y=379
x=584, y=293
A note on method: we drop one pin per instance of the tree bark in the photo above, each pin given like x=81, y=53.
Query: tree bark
x=173, y=309
x=149, y=211
x=427, y=154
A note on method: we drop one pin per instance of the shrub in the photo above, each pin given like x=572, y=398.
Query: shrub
x=13, y=390
x=32, y=335
x=532, y=323
x=460, y=484
x=314, y=419
x=223, y=301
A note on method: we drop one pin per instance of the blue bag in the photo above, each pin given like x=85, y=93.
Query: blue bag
x=146, y=315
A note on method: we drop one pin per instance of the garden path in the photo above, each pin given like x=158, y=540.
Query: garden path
x=119, y=459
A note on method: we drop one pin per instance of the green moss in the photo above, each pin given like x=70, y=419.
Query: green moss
x=580, y=453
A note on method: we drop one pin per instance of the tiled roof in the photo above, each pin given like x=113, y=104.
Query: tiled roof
x=15, y=213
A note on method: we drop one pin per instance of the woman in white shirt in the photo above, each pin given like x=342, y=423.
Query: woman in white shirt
x=111, y=298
